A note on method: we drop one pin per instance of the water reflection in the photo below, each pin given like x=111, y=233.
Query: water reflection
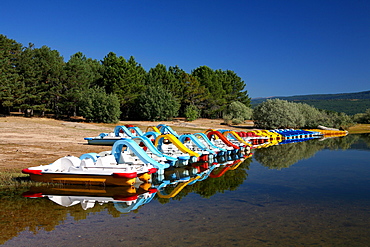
x=285, y=155
x=174, y=181
x=43, y=208
x=88, y=197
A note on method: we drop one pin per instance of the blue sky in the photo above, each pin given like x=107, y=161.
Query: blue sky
x=278, y=47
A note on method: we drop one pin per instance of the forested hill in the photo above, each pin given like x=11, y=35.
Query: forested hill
x=37, y=81
x=349, y=103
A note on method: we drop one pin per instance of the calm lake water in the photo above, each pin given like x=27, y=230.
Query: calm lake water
x=312, y=193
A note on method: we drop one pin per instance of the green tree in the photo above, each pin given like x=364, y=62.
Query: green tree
x=216, y=100
x=194, y=94
x=276, y=113
x=41, y=70
x=312, y=116
x=340, y=120
x=359, y=118
x=96, y=71
x=166, y=79
x=237, y=113
x=98, y=106
x=123, y=78
x=80, y=74
x=191, y=113
x=10, y=83
x=155, y=104
x=224, y=87
x=180, y=79
x=363, y=118
x=234, y=87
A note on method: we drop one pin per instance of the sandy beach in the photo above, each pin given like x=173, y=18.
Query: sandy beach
x=26, y=142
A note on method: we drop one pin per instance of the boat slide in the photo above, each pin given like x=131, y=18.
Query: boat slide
x=159, y=143
x=136, y=130
x=133, y=147
x=217, y=134
x=196, y=144
x=235, y=136
x=153, y=128
x=165, y=129
x=146, y=142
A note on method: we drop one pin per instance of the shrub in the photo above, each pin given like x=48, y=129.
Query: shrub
x=276, y=113
x=358, y=118
x=191, y=113
x=341, y=120
x=156, y=104
x=237, y=113
x=363, y=118
x=97, y=106
x=310, y=114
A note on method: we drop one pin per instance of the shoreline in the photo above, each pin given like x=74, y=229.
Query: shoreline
x=27, y=142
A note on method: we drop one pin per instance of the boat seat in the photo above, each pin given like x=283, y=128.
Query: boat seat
x=107, y=161
x=75, y=169
x=86, y=163
x=63, y=164
x=104, y=153
x=126, y=158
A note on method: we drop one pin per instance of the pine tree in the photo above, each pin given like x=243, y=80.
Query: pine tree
x=41, y=70
x=10, y=83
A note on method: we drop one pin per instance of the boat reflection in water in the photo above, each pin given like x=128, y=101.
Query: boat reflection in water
x=279, y=154
x=298, y=203
x=129, y=198
x=70, y=195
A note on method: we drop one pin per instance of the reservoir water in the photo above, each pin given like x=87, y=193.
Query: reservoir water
x=312, y=193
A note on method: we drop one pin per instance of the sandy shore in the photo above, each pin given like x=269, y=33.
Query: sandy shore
x=26, y=142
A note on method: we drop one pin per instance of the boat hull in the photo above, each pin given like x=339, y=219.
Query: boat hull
x=82, y=179
x=102, y=141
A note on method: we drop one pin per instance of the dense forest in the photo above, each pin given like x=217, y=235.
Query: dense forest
x=349, y=103
x=37, y=81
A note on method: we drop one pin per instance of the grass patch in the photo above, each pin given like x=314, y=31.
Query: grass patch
x=359, y=129
x=16, y=180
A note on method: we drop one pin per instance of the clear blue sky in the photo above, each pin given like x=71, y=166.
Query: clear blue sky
x=278, y=47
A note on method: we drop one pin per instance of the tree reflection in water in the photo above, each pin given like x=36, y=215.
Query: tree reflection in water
x=230, y=180
x=19, y=213
x=285, y=155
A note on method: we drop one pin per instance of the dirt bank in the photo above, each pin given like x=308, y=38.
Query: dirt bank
x=26, y=142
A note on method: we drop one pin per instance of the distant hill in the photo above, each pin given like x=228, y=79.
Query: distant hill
x=349, y=103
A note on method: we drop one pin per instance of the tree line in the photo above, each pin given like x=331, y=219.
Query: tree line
x=276, y=113
x=37, y=81
x=349, y=103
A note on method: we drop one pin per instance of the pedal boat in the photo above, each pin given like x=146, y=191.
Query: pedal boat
x=119, y=133
x=90, y=169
